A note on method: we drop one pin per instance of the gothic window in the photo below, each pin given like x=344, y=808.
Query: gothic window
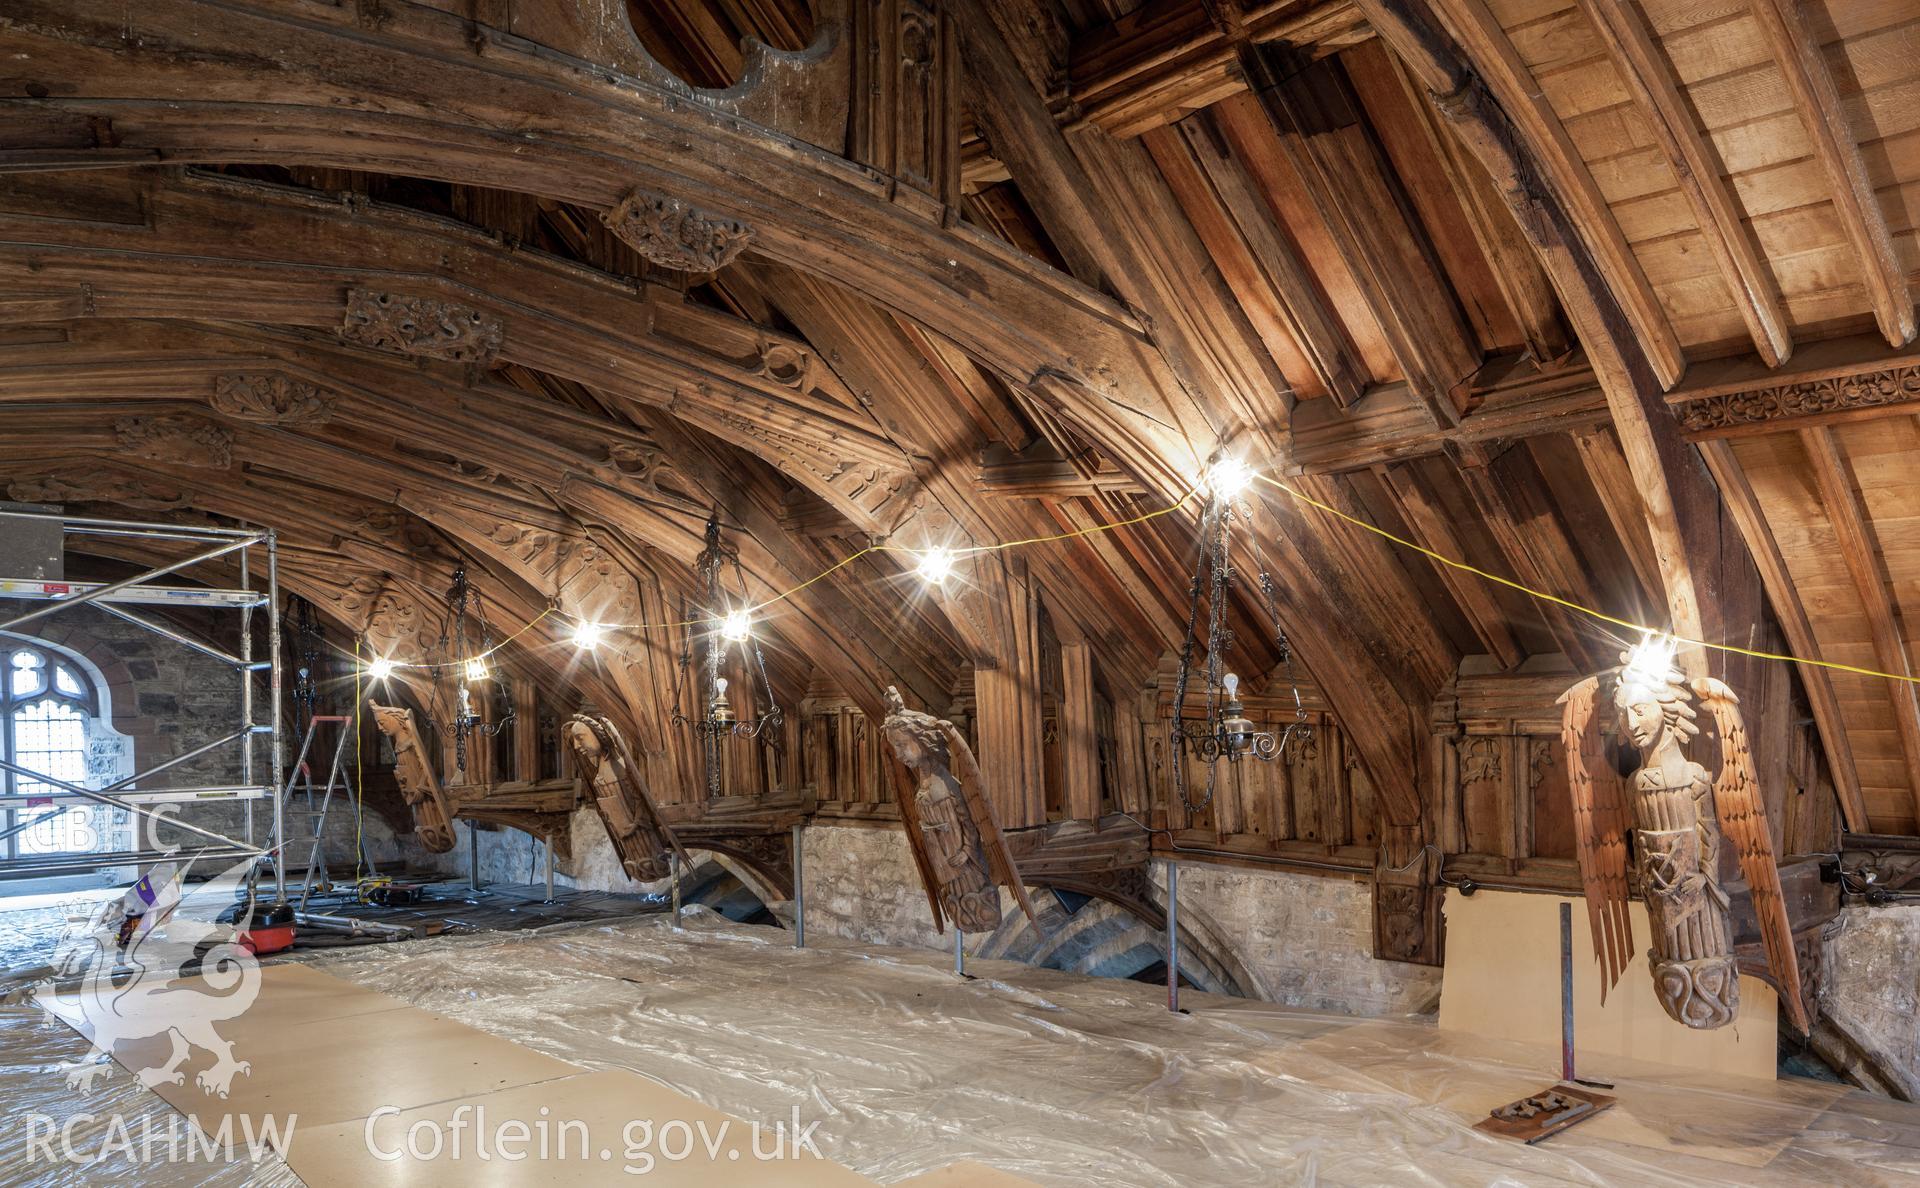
x=45, y=707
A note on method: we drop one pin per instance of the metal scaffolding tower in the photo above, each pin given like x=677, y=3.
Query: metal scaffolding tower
x=114, y=598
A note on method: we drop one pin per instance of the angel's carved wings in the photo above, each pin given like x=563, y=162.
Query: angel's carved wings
x=1743, y=818
x=1599, y=830
x=973, y=786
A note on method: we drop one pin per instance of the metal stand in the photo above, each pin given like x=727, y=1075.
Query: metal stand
x=673, y=860
x=1173, y=936
x=547, y=844
x=114, y=598
x=473, y=858
x=959, y=953
x=799, y=890
x=1566, y=992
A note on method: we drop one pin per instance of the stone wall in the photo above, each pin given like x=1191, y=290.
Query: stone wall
x=164, y=699
x=1300, y=940
x=1872, y=985
x=1307, y=940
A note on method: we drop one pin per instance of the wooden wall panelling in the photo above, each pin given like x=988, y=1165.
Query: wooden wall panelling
x=905, y=117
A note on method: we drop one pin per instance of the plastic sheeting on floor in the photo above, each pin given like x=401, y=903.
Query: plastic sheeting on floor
x=1062, y=1079
x=1073, y=1081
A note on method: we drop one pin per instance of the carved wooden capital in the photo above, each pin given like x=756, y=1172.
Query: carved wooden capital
x=424, y=326
x=269, y=398
x=1809, y=398
x=182, y=439
x=676, y=234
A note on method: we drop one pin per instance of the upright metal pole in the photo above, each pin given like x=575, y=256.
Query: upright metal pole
x=549, y=849
x=799, y=889
x=674, y=860
x=246, y=691
x=1173, y=936
x=273, y=701
x=473, y=855
x=959, y=952
x=1566, y=991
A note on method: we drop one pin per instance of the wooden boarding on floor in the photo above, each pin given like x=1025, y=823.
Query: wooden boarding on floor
x=333, y=1054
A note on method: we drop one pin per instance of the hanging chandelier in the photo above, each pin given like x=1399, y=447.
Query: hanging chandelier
x=1224, y=731
x=732, y=623
x=465, y=649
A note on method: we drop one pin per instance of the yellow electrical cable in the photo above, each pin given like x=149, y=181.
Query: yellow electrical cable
x=1302, y=497
x=1543, y=596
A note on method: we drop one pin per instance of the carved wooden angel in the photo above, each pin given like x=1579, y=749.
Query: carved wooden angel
x=419, y=786
x=950, y=822
x=1675, y=817
x=639, y=835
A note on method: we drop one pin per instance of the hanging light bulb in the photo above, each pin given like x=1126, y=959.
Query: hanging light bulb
x=736, y=627
x=476, y=669
x=1651, y=660
x=1228, y=478
x=586, y=635
x=936, y=565
x=720, y=710
x=380, y=668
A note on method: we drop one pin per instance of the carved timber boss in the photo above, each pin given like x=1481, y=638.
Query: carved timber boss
x=432, y=812
x=421, y=326
x=1676, y=817
x=269, y=398
x=950, y=819
x=676, y=234
x=639, y=836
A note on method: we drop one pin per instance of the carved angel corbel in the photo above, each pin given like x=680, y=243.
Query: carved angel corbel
x=641, y=838
x=950, y=821
x=1675, y=818
x=419, y=786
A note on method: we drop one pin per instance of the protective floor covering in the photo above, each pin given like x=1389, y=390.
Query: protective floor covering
x=1073, y=1081
x=1061, y=1079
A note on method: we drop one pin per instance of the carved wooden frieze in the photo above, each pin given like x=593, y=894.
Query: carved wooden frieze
x=676, y=234
x=98, y=486
x=1811, y=398
x=421, y=326
x=269, y=398
x=180, y=438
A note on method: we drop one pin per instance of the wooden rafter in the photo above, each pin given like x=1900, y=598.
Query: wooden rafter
x=1512, y=83
x=1361, y=200
x=1650, y=79
x=1613, y=481
x=1432, y=528
x=1828, y=718
x=1314, y=326
x=1833, y=476
x=1798, y=54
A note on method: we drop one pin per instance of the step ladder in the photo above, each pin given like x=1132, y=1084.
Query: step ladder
x=300, y=779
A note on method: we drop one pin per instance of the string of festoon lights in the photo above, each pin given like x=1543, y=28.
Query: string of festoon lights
x=1227, y=478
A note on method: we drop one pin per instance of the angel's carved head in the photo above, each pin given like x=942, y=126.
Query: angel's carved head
x=1653, y=703
x=915, y=736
